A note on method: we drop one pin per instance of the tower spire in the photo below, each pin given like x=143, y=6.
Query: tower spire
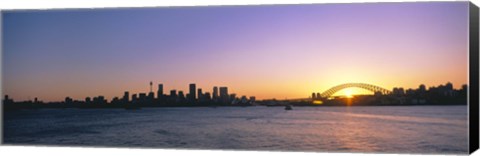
x=151, y=86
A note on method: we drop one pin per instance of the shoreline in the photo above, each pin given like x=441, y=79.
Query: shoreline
x=139, y=108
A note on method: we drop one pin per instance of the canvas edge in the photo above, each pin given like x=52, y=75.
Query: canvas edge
x=473, y=78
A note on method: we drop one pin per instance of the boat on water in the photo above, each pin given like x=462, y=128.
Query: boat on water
x=288, y=107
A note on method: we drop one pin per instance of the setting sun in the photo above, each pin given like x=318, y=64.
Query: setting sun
x=348, y=93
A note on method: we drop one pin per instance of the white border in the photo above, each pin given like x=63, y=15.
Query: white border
x=83, y=151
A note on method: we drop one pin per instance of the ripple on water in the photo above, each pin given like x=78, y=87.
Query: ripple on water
x=357, y=129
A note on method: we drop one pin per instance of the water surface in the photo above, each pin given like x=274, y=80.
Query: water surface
x=389, y=129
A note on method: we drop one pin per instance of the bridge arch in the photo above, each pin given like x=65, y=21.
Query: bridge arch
x=366, y=86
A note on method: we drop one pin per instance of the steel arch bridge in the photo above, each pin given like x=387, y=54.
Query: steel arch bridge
x=366, y=86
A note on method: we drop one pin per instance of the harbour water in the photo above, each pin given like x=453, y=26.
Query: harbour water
x=384, y=129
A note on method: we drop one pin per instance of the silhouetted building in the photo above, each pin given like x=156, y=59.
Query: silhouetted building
x=252, y=99
x=410, y=92
x=398, y=91
x=463, y=90
x=134, y=98
x=232, y=97
x=114, y=99
x=126, y=97
x=151, y=88
x=173, y=93
x=243, y=100
x=215, y=92
x=150, y=96
x=449, y=86
x=142, y=97
x=192, y=93
x=160, y=91
x=464, y=87
x=181, y=95
x=99, y=100
x=224, y=94
x=200, y=94
x=442, y=94
x=207, y=96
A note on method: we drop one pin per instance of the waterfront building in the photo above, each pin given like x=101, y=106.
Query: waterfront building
x=160, y=91
x=142, y=96
x=223, y=93
x=232, y=97
x=181, y=95
x=244, y=100
x=215, y=92
x=200, y=94
x=173, y=93
x=192, y=93
x=252, y=99
x=150, y=96
x=125, y=97
x=134, y=98
x=207, y=96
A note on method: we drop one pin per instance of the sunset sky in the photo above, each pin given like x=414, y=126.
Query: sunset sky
x=270, y=51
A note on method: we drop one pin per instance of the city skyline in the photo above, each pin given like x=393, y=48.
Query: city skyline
x=269, y=52
x=219, y=93
x=220, y=96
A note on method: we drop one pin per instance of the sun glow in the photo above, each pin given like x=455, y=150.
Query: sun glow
x=348, y=93
x=317, y=102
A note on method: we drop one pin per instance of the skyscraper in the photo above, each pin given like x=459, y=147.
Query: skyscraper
x=192, y=92
x=134, y=98
x=160, y=91
x=151, y=83
x=224, y=94
x=173, y=96
x=215, y=92
x=200, y=94
x=173, y=93
x=142, y=97
x=126, y=97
